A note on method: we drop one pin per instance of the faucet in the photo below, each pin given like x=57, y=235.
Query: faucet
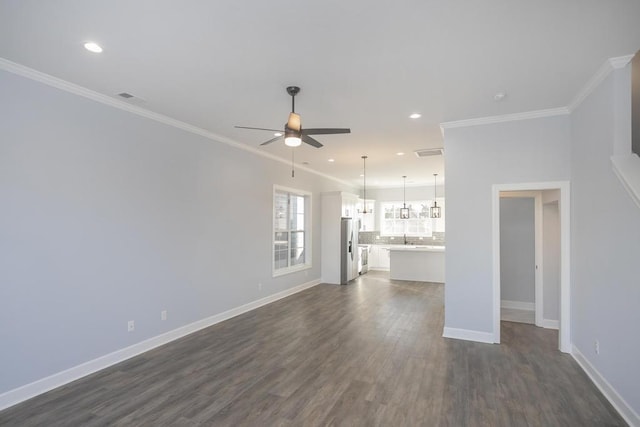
x=405, y=240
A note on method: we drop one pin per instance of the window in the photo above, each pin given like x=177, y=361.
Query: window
x=419, y=222
x=291, y=230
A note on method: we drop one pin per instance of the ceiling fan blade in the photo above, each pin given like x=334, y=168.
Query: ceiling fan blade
x=294, y=121
x=246, y=127
x=311, y=141
x=272, y=140
x=325, y=131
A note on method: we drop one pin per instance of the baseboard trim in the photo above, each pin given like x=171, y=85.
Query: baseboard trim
x=25, y=392
x=468, y=335
x=550, y=324
x=623, y=408
x=518, y=305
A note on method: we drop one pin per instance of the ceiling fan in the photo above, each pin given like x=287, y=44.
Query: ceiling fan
x=294, y=134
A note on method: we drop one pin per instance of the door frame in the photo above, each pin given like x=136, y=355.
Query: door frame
x=564, y=203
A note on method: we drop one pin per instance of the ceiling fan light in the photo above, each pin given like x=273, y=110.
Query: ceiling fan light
x=293, y=141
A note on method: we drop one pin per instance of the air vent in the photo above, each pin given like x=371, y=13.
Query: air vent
x=429, y=152
x=131, y=99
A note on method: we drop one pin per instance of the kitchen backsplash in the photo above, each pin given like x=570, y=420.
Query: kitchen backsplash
x=374, y=238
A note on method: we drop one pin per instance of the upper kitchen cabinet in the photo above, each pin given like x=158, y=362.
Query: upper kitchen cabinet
x=349, y=204
x=367, y=220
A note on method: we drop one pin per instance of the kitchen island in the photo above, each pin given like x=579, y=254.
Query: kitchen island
x=420, y=263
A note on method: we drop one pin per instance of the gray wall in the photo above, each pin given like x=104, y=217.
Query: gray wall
x=551, y=261
x=605, y=242
x=605, y=223
x=517, y=249
x=107, y=216
x=478, y=157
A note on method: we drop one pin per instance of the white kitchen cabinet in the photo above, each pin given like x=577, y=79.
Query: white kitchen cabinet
x=367, y=221
x=379, y=258
x=374, y=251
x=349, y=205
x=418, y=263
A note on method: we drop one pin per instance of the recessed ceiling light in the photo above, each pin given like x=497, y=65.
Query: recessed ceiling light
x=499, y=96
x=400, y=154
x=93, y=47
x=332, y=160
x=277, y=134
x=361, y=175
x=415, y=116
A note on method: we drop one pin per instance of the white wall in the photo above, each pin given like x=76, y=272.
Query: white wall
x=605, y=242
x=517, y=249
x=478, y=157
x=107, y=217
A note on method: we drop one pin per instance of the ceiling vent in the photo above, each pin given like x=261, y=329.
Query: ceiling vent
x=428, y=152
x=130, y=99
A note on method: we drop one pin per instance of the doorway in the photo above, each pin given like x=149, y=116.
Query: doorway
x=519, y=281
x=547, y=200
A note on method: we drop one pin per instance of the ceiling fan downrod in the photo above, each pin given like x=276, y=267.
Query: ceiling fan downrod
x=293, y=91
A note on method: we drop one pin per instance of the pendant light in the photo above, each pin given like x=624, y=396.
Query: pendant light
x=404, y=211
x=364, y=184
x=435, y=209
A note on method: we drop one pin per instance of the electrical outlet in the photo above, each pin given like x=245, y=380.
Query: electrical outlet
x=596, y=346
x=259, y=286
x=163, y=315
x=131, y=326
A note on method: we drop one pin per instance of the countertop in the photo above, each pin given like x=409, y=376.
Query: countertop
x=417, y=248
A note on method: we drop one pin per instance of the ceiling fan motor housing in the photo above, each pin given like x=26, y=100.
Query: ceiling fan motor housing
x=288, y=132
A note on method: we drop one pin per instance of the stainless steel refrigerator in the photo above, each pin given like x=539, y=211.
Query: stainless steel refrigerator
x=348, y=250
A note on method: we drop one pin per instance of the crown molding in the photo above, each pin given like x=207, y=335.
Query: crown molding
x=75, y=89
x=505, y=118
x=605, y=69
x=620, y=61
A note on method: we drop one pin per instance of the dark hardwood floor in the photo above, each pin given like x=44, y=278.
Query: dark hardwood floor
x=370, y=353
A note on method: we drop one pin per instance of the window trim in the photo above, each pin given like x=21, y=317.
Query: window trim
x=308, y=224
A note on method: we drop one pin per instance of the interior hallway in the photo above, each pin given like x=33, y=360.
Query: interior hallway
x=370, y=353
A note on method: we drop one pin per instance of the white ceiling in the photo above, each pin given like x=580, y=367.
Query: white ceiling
x=361, y=64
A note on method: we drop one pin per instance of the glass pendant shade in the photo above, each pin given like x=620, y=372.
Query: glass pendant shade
x=404, y=213
x=434, y=211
